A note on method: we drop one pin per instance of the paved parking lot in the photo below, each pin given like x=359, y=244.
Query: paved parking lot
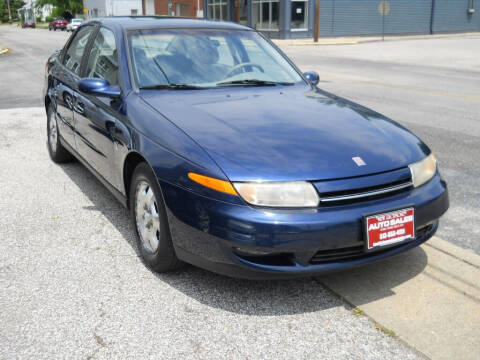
x=72, y=285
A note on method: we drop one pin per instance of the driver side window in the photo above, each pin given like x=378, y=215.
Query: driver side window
x=74, y=53
x=103, y=58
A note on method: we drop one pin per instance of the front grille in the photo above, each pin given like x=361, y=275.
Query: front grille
x=337, y=254
x=325, y=256
x=366, y=193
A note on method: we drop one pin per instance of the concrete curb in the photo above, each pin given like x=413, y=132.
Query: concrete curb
x=454, y=251
x=352, y=40
x=429, y=297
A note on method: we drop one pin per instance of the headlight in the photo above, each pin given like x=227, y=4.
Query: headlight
x=423, y=170
x=281, y=194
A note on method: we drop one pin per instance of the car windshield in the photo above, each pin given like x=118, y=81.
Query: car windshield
x=76, y=21
x=201, y=58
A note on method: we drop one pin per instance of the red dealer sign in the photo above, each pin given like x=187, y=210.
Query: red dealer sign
x=390, y=228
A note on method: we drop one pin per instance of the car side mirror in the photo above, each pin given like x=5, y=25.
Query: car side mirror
x=312, y=77
x=98, y=87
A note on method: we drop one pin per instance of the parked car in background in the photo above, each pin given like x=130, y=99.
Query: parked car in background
x=74, y=24
x=57, y=23
x=231, y=159
x=29, y=23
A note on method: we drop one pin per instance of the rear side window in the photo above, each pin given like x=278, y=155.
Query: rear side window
x=103, y=58
x=74, y=53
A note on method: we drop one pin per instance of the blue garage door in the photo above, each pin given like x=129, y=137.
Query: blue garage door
x=365, y=17
x=454, y=15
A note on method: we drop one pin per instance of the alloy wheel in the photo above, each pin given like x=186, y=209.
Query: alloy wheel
x=146, y=217
x=52, y=132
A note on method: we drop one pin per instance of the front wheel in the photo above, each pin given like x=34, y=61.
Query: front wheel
x=55, y=148
x=149, y=219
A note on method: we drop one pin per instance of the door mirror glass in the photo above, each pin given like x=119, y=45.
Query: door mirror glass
x=98, y=87
x=312, y=77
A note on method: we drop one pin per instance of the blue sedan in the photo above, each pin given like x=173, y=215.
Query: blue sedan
x=231, y=159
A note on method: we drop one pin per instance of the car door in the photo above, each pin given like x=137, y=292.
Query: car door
x=65, y=79
x=96, y=116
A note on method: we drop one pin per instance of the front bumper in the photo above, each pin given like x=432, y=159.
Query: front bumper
x=242, y=241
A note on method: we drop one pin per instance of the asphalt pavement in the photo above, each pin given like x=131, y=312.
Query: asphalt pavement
x=72, y=285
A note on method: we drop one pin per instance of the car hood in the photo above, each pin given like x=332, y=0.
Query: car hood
x=287, y=134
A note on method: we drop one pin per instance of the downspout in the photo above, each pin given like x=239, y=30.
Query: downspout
x=432, y=15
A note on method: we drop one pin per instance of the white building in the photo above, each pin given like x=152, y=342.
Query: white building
x=31, y=12
x=100, y=8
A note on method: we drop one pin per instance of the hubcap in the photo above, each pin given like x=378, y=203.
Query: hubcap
x=146, y=216
x=52, y=132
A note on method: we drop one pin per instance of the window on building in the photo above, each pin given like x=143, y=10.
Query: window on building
x=74, y=54
x=217, y=9
x=103, y=59
x=182, y=10
x=133, y=12
x=299, y=15
x=266, y=14
x=95, y=13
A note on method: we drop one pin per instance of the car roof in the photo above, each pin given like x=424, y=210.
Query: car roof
x=149, y=22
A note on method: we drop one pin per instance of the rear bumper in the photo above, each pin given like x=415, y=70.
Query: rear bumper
x=246, y=242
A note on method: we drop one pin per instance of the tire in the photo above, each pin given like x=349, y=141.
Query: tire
x=55, y=148
x=54, y=29
x=49, y=28
x=154, y=243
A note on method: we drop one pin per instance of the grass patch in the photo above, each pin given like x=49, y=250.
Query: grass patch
x=383, y=329
x=357, y=311
x=42, y=25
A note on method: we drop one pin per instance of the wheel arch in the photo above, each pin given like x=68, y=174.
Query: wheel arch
x=48, y=99
x=132, y=160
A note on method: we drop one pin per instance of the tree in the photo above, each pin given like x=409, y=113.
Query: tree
x=4, y=9
x=63, y=7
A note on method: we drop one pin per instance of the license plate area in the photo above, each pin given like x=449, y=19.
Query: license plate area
x=389, y=228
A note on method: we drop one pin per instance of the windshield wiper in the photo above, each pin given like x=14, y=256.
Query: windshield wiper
x=172, y=87
x=253, y=82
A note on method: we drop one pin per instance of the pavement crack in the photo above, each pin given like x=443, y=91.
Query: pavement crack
x=98, y=339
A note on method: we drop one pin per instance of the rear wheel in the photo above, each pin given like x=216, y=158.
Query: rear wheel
x=55, y=148
x=149, y=219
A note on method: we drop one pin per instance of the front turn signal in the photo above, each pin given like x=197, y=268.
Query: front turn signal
x=212, y=183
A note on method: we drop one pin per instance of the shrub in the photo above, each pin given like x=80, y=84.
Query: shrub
x=49, y=18
x=39, y=19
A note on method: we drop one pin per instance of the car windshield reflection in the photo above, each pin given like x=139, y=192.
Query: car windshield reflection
x=205, y=58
